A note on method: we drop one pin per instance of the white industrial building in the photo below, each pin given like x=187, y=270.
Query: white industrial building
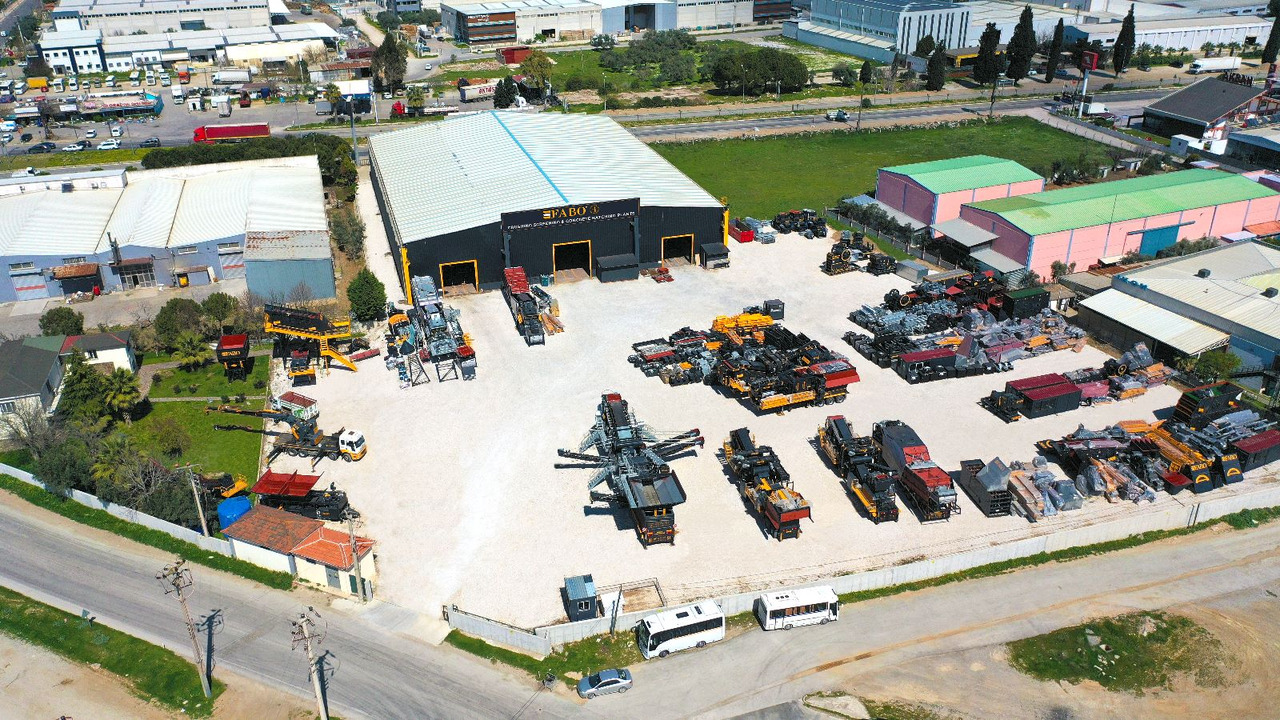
x=511, y=21
x=80, y=51
x=874, y=28
x=123, y=17
x=1179, y=32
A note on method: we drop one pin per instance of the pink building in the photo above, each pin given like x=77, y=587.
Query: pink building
x=933, y=192
x=1145, y=214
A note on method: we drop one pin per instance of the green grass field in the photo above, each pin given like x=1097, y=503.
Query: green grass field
x=210, y=381
x=151, y=672
x=20, y=459
x=583, y=657
x=1130, y=653
x=761, y=177
x=235, y=452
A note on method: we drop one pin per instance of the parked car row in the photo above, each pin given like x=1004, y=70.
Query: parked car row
x=77, y=146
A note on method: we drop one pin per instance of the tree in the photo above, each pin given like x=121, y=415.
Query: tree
x=504, y=96
x=603, y=42
x=1273, y=8
x=925, y=47
x=368, y=296
x=1030, y=280
x=333, y=96
x=1216, y=365
x=219, y=306
x=82, y=391
x=678, y=69
x=844, y=74
x=937, y=70
x=1122, y=51
x=62, y=320
x=390, y=62
x=191, y=351
x=65, y=467
x=1055, y=53
x=114, y=463
x=1208, y=48
x=170, y=437
x=1232, y=48
x=37, y=67
x=30, y=427
x=121, y=393
x=1059, y=268
x=866, y=73
x=986, y=67
x=537, y=67
x=1272, y=47
x=348, y=230
x=1143, y=55
x=1022, y=46
x=179, y=315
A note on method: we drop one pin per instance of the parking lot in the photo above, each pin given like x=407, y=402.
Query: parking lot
x=459, y=490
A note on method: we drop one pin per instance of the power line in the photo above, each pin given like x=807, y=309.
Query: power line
x=304, y=634
x=176, y=580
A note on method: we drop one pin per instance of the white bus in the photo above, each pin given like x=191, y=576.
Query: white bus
x=786, y=609
x=680, y=629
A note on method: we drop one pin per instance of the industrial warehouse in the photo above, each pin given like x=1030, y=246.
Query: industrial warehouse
x=109, y=230
x=550, y=193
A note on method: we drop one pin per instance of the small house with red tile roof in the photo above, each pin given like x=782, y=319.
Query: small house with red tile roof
x=266, y=536
x=325, y=558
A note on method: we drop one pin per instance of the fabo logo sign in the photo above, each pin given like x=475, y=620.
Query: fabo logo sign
x=571, y=212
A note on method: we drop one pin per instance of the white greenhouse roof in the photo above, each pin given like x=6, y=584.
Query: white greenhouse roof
x=1165, y=326
x=492, y=162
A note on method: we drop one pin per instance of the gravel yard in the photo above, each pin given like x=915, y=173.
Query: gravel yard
x=459, y=490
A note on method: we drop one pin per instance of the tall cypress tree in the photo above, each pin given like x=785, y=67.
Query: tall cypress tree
x=1270, y=50
x=1055, y=53
x=986, y=67
x=1125, y=42
x=1022, y=46
x=937, y=70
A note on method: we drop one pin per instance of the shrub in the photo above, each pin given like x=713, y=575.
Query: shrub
x=61, y=320
x=225, y=399
x=259, y=384
x=177, y=388
x=193, y=388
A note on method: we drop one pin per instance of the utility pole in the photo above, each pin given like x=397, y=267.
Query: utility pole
x=195, y=491
x=355, y=554
x=176, y=580
x=304, y=634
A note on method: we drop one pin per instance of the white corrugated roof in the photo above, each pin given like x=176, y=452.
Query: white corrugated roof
x=964, y=232
x=1165, y=326
x=172, y=207
x=493, y=162
x=1238, y=274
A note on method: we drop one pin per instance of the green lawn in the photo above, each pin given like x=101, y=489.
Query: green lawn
x=210, y=381
x=152, y=672
x=1130, y=653
x=580, y=658
x=762, y=177
x=18, y=159
x=20, y=459
x=233, y=451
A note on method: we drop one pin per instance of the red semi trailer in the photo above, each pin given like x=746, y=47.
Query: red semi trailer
x=929, y=487
x=210, y=134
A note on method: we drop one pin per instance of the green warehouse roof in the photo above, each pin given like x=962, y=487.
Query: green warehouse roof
x=1107, y=202
x=964, y=173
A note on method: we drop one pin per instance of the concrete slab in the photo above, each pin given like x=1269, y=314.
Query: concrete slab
x=459, y=490
x=29, y=307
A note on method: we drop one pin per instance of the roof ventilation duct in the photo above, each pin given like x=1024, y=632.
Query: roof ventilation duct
x=1202, y=273
x=1270, y=292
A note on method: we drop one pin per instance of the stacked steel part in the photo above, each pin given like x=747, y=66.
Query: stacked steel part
x=928, y=487
x=937, y=304
x=977, y=345
x=763, y=233
x=765, y=485
x=1036, y=492
x=987, y=485
x=844, y=256
x=632, y=461
x=754, y=358
x=806, y=222
x=1129, y=376
x=882, y=265
x=524, y=306
x=862, y=471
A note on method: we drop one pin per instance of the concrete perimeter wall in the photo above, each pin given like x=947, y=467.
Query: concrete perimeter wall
x=543, y=639
x=125, y=513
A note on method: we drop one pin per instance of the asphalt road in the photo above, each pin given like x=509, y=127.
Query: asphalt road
x=381, y=673
x=376, y=673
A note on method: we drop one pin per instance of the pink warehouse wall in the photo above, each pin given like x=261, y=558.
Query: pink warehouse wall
x=905, y=195
x=1010, y=241
x=1229, y=218
x=1263, y=210
x=949, y=204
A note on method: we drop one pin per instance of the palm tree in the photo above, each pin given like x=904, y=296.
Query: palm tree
x=1233, y=47
x=121, y=393
x=115, y=456
x=333, y=96
x=1158, y=51
x=1207, y=48
x=191, y=351
x=415, y=96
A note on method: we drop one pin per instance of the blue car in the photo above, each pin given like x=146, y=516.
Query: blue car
x=604, y=682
